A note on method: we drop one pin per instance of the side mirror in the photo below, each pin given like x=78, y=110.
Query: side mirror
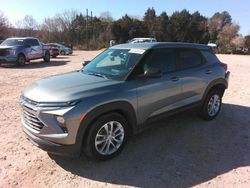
x=153, y=73
x=85, y=63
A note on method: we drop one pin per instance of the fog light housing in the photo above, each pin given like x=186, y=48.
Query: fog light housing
x=60, y=120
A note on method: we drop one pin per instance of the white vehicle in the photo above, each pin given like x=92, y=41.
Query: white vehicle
x=142, y=40
x=213, y=45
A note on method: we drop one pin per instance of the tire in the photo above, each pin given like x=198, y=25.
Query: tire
x=105, y=146
x=211, y=105
x=21, y=60
x=62, y=52
x=46, y=57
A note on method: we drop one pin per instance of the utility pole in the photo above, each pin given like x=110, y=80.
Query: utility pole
x=91, y=17
x=87, y=37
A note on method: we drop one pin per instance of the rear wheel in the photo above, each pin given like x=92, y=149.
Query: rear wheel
x=212, y=105
x=106, y=137
x=46, y=57
x=21, y=60
x=62, y=52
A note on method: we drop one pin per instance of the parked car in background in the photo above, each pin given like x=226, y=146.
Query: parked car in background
x=21, y=50
x=63, y=50
x=54, y=51
x=119, y=93
x=142, y=40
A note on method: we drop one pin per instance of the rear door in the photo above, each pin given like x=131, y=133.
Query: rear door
x=158, y=95
x=193, y=75
x=29, y=53
x=37, y=48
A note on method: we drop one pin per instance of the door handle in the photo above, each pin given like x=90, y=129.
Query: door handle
x=175, y=78
x=208, y=71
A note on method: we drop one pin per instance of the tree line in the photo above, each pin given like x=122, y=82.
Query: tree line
x=92, y=32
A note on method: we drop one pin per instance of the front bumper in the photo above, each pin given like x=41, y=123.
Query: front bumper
x=8, y=59
x=59, y=149
x=43, y=130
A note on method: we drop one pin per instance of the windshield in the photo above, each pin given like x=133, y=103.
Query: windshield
x=12, y=42
x=114, y=63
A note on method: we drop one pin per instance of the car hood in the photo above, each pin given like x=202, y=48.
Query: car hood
x=68, y=87
x=9, y=47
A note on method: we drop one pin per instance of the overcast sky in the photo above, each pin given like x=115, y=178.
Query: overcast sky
x=17, y=9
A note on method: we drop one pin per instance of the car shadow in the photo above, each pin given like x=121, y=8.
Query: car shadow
x=60, y=57
x=183, y=151
x=37, y=64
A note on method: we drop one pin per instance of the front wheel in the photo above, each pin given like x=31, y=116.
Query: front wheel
x=106, y=137
x=21, y=60
x=212, y=105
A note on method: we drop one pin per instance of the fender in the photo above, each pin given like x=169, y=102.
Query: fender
x=123, y=107
x=219, y=81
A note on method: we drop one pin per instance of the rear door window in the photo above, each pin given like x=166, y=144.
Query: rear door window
x=164, y=59
x=189, y=58
x=35, y=42
x=28, y=42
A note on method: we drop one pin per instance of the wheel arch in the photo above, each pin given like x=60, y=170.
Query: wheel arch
x=219, y=84
x=121, y=107
x=46, y=51
x=21, y=53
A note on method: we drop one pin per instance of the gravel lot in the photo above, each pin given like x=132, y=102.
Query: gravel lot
x=183, y=151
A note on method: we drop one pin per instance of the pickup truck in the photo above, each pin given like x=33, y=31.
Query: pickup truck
x=22, y=50
x=54, y=51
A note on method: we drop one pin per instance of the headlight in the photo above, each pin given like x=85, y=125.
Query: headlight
x=59, y=104
x=23, y=100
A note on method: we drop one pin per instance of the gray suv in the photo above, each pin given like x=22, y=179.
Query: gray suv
x=119, y=93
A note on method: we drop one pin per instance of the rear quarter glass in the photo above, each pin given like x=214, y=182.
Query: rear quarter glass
x=210, y=56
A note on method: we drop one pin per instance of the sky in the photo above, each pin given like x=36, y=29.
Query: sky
x=17, y=9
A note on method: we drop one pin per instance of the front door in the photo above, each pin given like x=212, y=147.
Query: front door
x=158, y=95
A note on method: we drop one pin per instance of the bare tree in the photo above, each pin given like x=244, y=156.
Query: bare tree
x=225, y=37
x=4, y=30
x=217, y=22
x=64, y=25
x=29, y=25
x=67, y=17
x=239, y=42
x=50, y=30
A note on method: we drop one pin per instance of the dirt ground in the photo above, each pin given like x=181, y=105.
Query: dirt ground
x=183, y=151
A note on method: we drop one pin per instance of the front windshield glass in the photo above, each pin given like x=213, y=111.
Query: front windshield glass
x=12, y=42
x=114, y=63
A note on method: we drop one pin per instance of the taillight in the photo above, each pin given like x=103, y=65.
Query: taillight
x=224, y=65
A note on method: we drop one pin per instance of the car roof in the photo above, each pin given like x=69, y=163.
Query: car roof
x=154, y=45
x=22, y=38
x=56, y=44
x=142, y=38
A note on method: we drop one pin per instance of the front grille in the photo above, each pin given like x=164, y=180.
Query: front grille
x=32, y=121
x=3, y=52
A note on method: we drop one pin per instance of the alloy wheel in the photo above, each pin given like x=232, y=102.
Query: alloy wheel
x=109, y=138
x=213, y=106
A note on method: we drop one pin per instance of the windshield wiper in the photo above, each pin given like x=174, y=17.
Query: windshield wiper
x=96, y=74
